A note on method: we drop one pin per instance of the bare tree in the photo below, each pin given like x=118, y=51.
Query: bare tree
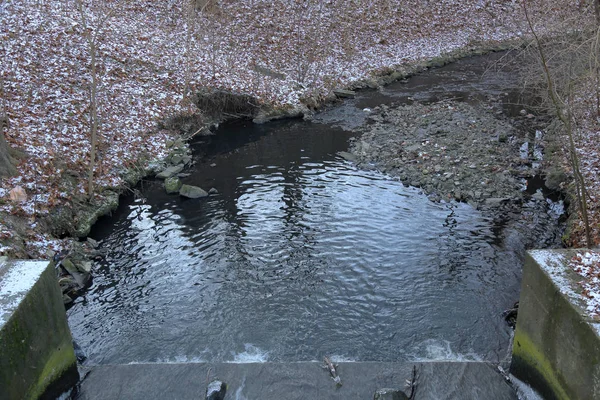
x=561, y=99
x=7, y=163
x=192, y=9
x=91, y=34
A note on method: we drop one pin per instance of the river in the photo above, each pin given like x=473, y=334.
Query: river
x=301, y=254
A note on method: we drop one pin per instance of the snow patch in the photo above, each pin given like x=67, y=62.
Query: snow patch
x=16, y=279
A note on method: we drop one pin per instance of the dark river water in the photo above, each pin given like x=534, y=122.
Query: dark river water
x=299, y=256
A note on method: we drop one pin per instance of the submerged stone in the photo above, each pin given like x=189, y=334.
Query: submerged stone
x=192, y=192
x=172, y=185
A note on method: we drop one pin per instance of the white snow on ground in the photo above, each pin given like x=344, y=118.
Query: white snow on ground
x=16, y=279
x=584, y=291
x=280, y=51
x=588, y=266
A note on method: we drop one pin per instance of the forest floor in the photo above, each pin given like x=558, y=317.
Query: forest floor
x=281, y=52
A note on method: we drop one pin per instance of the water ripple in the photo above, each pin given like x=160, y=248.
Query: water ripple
x=296, y=260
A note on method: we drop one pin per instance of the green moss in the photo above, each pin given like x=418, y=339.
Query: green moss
x=59, y=364
x=525, y=351
x=89, y=215
x=36, y=354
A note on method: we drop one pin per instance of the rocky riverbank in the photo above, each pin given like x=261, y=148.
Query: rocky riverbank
x=454, y=151
x=451, y=150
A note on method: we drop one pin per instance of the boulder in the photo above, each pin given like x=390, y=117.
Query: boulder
x=84, y=267
x=192, y=192
x=213, y=191
x=216, y=390
x=68, y=285
x=347, y=156
x=82, y=278
x=176, y=159
x=172, y=185
x=170, y=171
x=390, y=394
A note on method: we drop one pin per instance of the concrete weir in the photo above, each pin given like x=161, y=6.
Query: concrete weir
x=300, y=380
x=556, y=347
x=36, y=350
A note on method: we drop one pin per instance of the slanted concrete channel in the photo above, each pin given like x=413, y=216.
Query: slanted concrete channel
x=290, y=381
x=36, y=350
x=557, y=344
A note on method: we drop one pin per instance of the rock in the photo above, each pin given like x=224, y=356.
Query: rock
x=390, y=394
x=92, y=243
x=68, y=266
x=538, y=195
x=213, y=191
x=18, y=195
x=68, y=284
x=347, y=156
x=186, y=159
x=413, y=148
x=213, y=165
x=496, y=201
x=176, y=159
x=172, y=185
x=555, y=177
x=79, y=353
x=216, y=390
x=271, y=114
x=154, y=167
x=192, y=192
x=347, y=94
x=170, y=171
x=81, y=278
x=84, y=267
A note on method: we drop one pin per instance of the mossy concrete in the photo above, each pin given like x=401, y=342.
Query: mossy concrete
x=37, y=359
x=556, y=347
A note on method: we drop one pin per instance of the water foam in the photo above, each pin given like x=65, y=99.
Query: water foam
x=441, y=350
x=252, y=354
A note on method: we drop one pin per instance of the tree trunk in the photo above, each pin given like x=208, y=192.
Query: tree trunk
x=7, y=163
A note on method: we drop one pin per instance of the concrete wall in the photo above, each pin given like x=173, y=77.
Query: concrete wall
x=556, y=347
x=36, y=351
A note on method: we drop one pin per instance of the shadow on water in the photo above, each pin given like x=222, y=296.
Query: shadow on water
x=299, y=255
